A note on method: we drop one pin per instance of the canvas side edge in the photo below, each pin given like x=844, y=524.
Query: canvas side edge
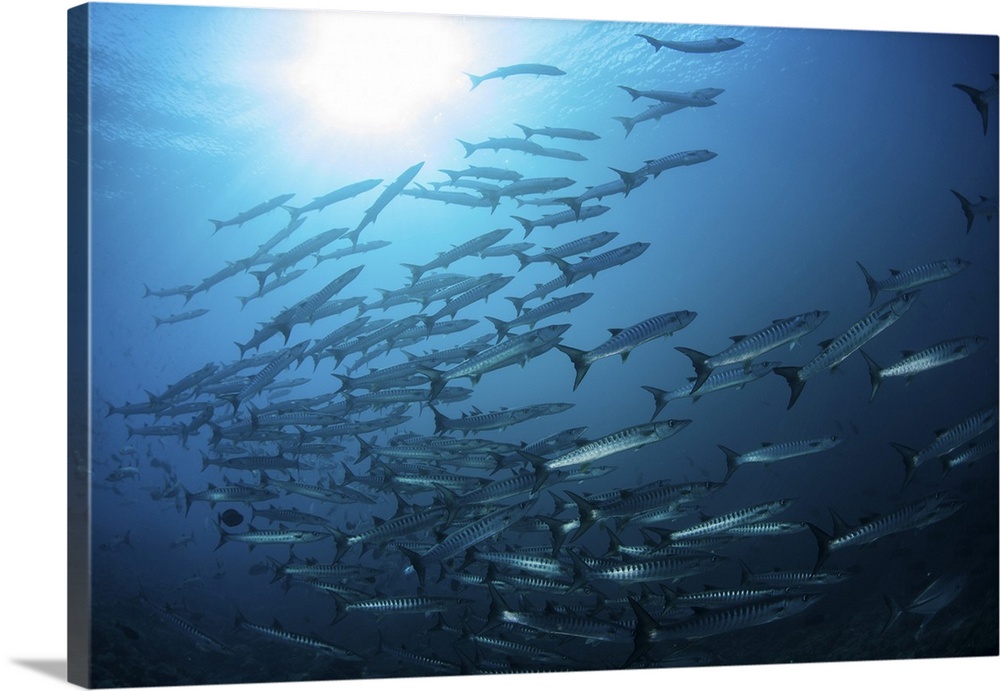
x=78, y=347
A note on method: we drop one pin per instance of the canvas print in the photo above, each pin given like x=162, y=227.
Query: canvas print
x=421, y=345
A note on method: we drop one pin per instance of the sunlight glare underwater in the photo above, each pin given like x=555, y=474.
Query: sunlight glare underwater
x=357, y=74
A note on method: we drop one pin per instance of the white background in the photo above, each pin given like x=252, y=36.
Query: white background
x=33, y=370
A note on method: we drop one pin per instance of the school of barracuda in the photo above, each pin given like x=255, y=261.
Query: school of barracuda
x=486, y=540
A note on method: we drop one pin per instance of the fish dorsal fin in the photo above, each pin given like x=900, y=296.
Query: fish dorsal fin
x=939, y=432
x=277, y=625
x=765, y=444
x=737, y=339
x=839, y=525
x=614, y=332
x=895, y=272
x=826, y=343
x=907, y=353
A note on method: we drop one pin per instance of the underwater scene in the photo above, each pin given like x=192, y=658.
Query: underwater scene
x=438, y=345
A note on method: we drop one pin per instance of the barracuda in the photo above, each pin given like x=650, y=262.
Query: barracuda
x=200, y=637
x=571, y=216
x=914, y=515
x=626, y=439
x=713, y=622
x=467, y=248
x=278, y=632
x=745, y=348
x=466, y=537
x=530, y=317
x=516, y=349
x=901, y=281
x=769, y=453
x=259, y=210
x=725, y=522
x=500, y=419
x=281, y=536
x=733, y=377
x=913, y=363
x=657, y=165
x=623, y=341
x=947, y=440
x=836, y=350
x=578, y=246
x=246, y=494
x=412, y=604
x=599, y=262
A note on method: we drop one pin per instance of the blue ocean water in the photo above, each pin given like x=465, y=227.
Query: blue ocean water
x=833, y=148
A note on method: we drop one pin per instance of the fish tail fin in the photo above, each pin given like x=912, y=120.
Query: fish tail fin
x=791, y=375
x=219, y=225
x=822, y=544
x=627, y=177
x=469, y=148
x=538, y=463
x=501, y=326
x=240, y=620
x=642, y=637
x=894, y=611
x=415, y=272
x=436, y=379
x=874, y=373
x=701, y=370
x=416, y=562
x=523, y=258
x=587, y=515
x=652, y=41
x=579, y=358
x=967, y=210
x=634, y=93
x=292, y=211
x=909, y=461
x=528, y=225
x=527, y=130
x=517, y=302
x=659, y=399
x=476, y=81
x=626, y=122
x=732, y=462
x=440, y=420
x=872, y=283
x=977, y=99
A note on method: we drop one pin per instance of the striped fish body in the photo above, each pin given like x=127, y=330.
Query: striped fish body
x=401, y=526
x=719, y=597
x=750, y=514
x=622, y=440
x=911, y=516
x=623, y=341
x=655, y=569
x=913, y=363
x=948, y=440
x=529, y=317
x=837, y=350
x=477, y=531
x=746, y=348
x=200, y=637
x=682, y=158
x=545, y=566
x=970, y=454
x=496, y=420
x=769, y=453
x=578, y=246
x=413, y=604
x=516, y=349
x=599, y=262
x=900, y=281
x=282, y=536
x=732, y=377
x=279, y=633
x=715, y=622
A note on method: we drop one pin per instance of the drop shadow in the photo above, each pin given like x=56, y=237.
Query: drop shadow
x=52, y=668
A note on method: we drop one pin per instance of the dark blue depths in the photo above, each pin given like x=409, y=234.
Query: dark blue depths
x=830, y=149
